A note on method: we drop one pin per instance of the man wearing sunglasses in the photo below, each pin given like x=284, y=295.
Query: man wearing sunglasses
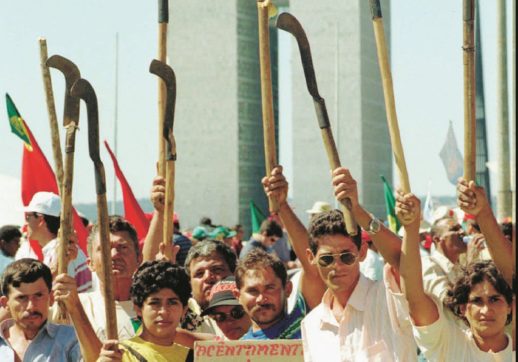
x=225, y=309
x=358, y=319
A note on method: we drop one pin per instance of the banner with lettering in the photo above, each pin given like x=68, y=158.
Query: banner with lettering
x=249, y=351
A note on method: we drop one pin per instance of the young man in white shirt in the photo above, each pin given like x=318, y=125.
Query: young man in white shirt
x=358, y=319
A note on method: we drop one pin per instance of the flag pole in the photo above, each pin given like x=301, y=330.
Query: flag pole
x=53, y=119
x=115, y=118
x=469, y=90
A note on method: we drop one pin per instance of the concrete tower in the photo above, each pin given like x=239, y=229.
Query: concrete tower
x=213, y=48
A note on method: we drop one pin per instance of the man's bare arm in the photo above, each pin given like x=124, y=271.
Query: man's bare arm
x=311, y=285
x=472, y=200
x=387, y=243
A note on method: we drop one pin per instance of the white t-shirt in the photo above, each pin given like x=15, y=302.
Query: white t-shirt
x=127, y=321
x=77, y=268
x=445, y=340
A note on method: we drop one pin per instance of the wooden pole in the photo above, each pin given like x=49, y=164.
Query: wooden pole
x=53, y=119
x=163, y=19
x=388, y=92
x=270, y=153
x=469, y=90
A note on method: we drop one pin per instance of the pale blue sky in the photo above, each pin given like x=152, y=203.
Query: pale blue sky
x=426, y=61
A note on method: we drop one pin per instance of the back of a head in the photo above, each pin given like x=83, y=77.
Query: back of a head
x=25, y=270
x=258, y=259
x=271, y=228
x=206, y=221
x=330, y=223
x=209, y=248
x=153, y=276
x=9, y=232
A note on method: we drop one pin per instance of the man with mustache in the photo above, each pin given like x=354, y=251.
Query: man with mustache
x=263, y=285
x=26, y=293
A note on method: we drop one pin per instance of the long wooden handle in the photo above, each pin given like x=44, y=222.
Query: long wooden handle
x=334, y=163
x=66, y=228
x=390, y=105
x=469, y=91
x=169, y=198
x=163, y=18
x=109, y=298
x=270, y=152
x=53, y=119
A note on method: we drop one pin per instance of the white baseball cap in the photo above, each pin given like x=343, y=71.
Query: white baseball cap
x=44, y=202
x=318, y=207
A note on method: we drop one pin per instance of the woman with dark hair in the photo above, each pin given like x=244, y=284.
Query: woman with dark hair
x=480, y=297
x=159, y=291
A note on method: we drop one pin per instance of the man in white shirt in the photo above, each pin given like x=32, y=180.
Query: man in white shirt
x=358, y=319
x=43, y=221
x=442, y=266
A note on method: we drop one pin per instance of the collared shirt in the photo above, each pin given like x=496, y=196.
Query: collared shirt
x=287, y=328
x=4, y=262
x=444, y=340
x=438, y=273
x=374, y=326
x=53, y=343
x=77, y=268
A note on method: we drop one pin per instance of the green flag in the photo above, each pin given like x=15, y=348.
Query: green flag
x=257, y=217
x=16, y=122
x=390, y=204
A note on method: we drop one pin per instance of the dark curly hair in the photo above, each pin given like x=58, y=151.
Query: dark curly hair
x=208, y=248
x=259, y=259
x=153, y=276
x=330, y=223
x=473, y=274
x=116, y=224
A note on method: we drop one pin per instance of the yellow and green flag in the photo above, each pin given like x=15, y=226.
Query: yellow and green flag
x=16, y=122
x=390, y=204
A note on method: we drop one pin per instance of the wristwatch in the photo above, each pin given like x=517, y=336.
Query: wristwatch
x=374, y=226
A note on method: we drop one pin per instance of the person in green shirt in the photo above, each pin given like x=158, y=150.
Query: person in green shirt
x=160, y=292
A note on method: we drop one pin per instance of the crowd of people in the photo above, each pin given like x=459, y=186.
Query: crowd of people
x=443, y=294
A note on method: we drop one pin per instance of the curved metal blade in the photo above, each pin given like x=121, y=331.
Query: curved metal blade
x=289, y=23
x=166, y=73
x=71, y=73
x=82, y=89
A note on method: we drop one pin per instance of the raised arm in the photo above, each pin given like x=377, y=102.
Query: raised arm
x=422, y=308
x=311, y=285
x=387, y=243
x=154, y=234
x=65, y=290
x=472, y=200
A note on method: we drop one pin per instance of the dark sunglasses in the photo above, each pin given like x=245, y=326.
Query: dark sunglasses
x=329, y=259
x=235, y=314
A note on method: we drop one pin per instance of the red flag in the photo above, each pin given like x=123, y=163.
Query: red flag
x=37, y=175
x=132, y=210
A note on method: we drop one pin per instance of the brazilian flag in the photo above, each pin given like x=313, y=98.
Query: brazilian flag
x=16, y=122
x=390, y=204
